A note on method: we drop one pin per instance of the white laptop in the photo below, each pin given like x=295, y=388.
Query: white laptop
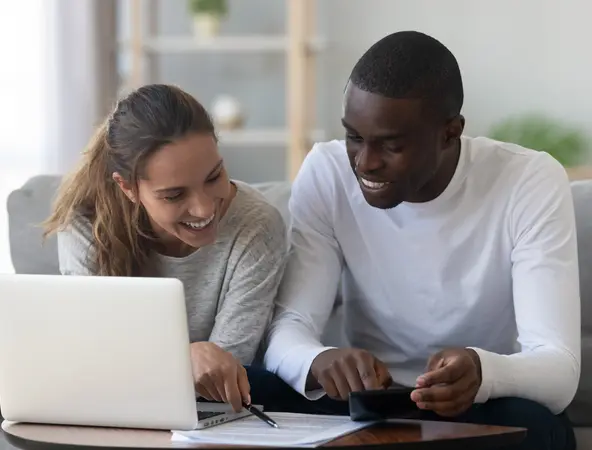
x=99, y=351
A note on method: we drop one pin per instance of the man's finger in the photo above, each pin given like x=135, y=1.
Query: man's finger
x=383, y=376
x=366, y=377
x=438, y=393
x=354, y=371
x=443, y=392
x=340, y=380
x=328, y=386
x=435, y=361
x=354, y=380
x=451, y=408
x=448, y=374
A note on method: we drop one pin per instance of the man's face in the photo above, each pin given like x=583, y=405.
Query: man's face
x=393, y=149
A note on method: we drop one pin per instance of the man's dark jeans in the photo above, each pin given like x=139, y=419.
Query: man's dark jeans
x=545, y=430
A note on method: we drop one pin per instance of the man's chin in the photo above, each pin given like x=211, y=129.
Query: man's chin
x=382, y=202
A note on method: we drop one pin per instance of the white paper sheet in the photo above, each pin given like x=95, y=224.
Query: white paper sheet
x=296, y=430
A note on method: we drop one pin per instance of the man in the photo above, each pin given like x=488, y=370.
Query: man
x=458, y=257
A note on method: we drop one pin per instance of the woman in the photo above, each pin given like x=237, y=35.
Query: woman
x=152, y=198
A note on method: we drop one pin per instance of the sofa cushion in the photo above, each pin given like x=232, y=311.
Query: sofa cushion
x=580, y=411
x=27, y=208
x=278, y=194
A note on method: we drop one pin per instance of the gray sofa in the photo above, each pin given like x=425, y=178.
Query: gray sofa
x=30, y=205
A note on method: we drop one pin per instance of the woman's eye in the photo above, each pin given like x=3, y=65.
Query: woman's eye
x=172, y=198
x=214, y=178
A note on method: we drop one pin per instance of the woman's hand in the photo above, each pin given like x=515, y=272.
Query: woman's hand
x=219, y=376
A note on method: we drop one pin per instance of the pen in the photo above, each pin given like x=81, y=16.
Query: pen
x=264, y=417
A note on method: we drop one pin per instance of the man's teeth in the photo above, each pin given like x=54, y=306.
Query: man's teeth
x=200, y=223
x=372, y=184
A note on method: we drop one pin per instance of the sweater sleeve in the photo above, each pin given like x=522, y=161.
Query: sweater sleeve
x=247, y=306
x=546, y=295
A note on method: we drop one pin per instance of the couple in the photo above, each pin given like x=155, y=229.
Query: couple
x=457, y=255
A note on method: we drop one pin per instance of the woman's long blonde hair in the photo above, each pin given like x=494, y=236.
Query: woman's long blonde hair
x=140, y=124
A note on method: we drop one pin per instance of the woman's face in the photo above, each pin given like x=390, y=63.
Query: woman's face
x=185, y=190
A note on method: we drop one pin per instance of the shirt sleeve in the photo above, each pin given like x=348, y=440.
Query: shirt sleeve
x=247, y=306
x=546, y=295
x=307, y=293
x=75, y=248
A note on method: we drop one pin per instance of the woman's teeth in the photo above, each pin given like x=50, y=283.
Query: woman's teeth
x=200, y=223
x=372, y=184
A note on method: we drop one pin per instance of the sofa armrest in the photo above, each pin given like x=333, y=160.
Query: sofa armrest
x=27, y=208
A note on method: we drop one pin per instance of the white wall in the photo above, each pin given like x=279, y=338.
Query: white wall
x=515, y=56
x=23, y=123
x=80, y=76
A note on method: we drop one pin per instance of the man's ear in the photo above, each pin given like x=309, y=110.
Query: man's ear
x=124, y=186
x=454, y=130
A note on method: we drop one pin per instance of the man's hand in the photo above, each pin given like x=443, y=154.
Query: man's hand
x=219, y=376
x=451, y=382
x=341, y=371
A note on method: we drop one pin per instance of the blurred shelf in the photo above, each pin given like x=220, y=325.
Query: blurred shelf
x=269, y=137
x=248, y=43
x=579, y=173
x=300, y=46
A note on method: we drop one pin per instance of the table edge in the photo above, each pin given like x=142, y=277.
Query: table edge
x=512, y=437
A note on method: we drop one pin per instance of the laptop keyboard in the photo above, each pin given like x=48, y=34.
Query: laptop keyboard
x=207, y=414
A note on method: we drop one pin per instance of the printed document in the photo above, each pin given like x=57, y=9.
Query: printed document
x=296, y=430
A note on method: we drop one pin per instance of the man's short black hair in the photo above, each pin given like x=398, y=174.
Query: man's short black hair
x=409, y=64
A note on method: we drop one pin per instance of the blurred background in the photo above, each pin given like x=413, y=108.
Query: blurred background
x=272, y=73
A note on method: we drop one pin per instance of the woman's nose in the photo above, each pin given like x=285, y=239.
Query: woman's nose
x=202, y=207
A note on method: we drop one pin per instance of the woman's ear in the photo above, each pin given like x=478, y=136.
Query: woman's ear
x=124, y=186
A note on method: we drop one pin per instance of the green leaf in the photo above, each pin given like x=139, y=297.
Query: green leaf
x=214, y=7
x=567, y=145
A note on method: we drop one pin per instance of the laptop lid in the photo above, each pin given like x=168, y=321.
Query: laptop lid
x=100, y=351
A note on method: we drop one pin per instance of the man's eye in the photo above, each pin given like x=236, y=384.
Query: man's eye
x=353, y=137
x=393, y=148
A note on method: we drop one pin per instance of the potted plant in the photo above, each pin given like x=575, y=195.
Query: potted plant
x=207, y=15
x=567, y=145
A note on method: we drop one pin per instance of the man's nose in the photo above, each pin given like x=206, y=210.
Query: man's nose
x=368, y=160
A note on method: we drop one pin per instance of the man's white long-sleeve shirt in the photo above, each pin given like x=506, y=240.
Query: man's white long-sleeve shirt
x=490, y=264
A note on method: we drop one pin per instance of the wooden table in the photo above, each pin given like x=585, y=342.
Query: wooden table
x=398, y=434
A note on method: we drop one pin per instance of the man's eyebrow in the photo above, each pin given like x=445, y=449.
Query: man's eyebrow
x=384, y=136
x=178, y=188
x=391, y=135
x=347, y=125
